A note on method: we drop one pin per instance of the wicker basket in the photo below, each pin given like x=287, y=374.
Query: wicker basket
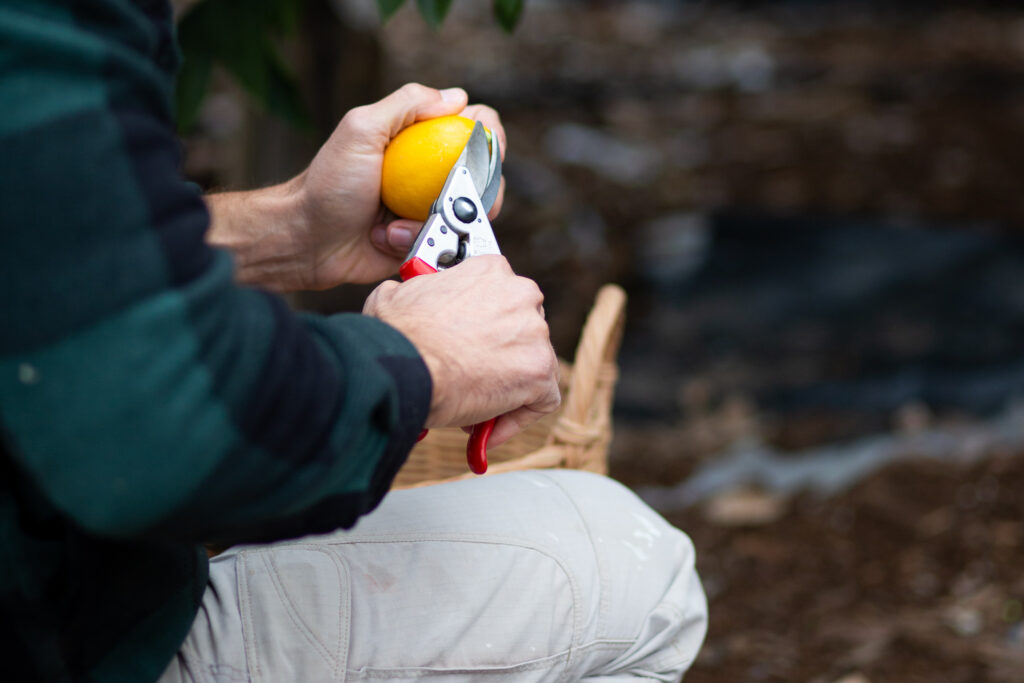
x=575, y=437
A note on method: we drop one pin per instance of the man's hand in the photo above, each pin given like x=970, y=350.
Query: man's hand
x=327, y=226
x=481, y=331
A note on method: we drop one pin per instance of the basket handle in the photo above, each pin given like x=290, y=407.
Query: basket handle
x=594, y=361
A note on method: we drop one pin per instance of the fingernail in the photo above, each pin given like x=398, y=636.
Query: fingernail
x=400, y=238
x=452, y=94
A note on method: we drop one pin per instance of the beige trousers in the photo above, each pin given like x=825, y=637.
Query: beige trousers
x=529, y=576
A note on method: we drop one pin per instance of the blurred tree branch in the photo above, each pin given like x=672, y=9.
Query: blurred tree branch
x=245, y=36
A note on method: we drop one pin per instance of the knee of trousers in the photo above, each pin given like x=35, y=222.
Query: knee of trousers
x=553, y=575
x=645, y=609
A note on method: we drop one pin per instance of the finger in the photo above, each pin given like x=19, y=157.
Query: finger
x=450, y=101
x=489, y=117
x=498, y=201
x=393, y=242
x=375, y=124
x=414, y=102
x=379, y=239
x=510, y=424
x=402, y=233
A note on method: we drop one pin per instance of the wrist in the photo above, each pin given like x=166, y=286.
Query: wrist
x=435, y=415
x=263, y=229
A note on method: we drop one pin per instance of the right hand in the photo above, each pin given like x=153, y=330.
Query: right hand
x=480, y=329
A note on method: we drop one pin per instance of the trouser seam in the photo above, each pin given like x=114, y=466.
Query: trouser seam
x=411, y=672
x=245, y=616
x=375, y=672
x=304, y=631
x=603, y=606
x=484, y=539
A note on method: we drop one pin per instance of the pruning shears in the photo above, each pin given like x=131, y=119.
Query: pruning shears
x=457, y=229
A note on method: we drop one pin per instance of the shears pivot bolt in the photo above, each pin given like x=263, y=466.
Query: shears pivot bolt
x=465, y=210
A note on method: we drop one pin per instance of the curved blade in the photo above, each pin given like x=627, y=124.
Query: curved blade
x=476, y=157
x=490, y=193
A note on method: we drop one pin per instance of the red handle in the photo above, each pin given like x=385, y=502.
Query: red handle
x=415, y=266
x=476, y=448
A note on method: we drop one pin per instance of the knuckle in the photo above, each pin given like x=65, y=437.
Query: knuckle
x=385, y=291
x=548, y=401
x=554, y=400
x=357, y=119
x=500, y=264
x=486, y=112
x=525, y=285
x=370, y=305
x=535, y=329
x=544, y=368
x=544, y=330
x=412, y=88
x=414, y=91
x=553, y=370
x=530, y=291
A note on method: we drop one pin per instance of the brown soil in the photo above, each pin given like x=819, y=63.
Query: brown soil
x=914, y=574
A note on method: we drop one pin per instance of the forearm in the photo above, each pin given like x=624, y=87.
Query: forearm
x=264, y=230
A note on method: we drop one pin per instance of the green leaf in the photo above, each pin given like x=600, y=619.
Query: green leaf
x=193, y=80
x=507, y=12
x=239, y=35
x=388, y=7
x=260, y=70
x=288, y=14
x=434, y=11
x=282, y=96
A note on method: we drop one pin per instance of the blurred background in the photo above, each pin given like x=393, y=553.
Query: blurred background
x=816, y=210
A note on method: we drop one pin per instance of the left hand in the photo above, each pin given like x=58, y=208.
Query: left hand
x=327, y=226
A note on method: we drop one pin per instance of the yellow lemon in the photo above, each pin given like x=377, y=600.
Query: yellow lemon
x=417, y=162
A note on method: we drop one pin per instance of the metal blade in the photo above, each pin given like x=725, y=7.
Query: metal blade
x=477, y=158
x=490, y=193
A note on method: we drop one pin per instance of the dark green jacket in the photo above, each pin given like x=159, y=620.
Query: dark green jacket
x=147, y=403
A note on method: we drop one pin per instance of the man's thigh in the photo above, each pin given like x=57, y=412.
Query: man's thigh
x=530, y=576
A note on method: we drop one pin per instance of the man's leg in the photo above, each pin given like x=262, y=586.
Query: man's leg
x=530, y=576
